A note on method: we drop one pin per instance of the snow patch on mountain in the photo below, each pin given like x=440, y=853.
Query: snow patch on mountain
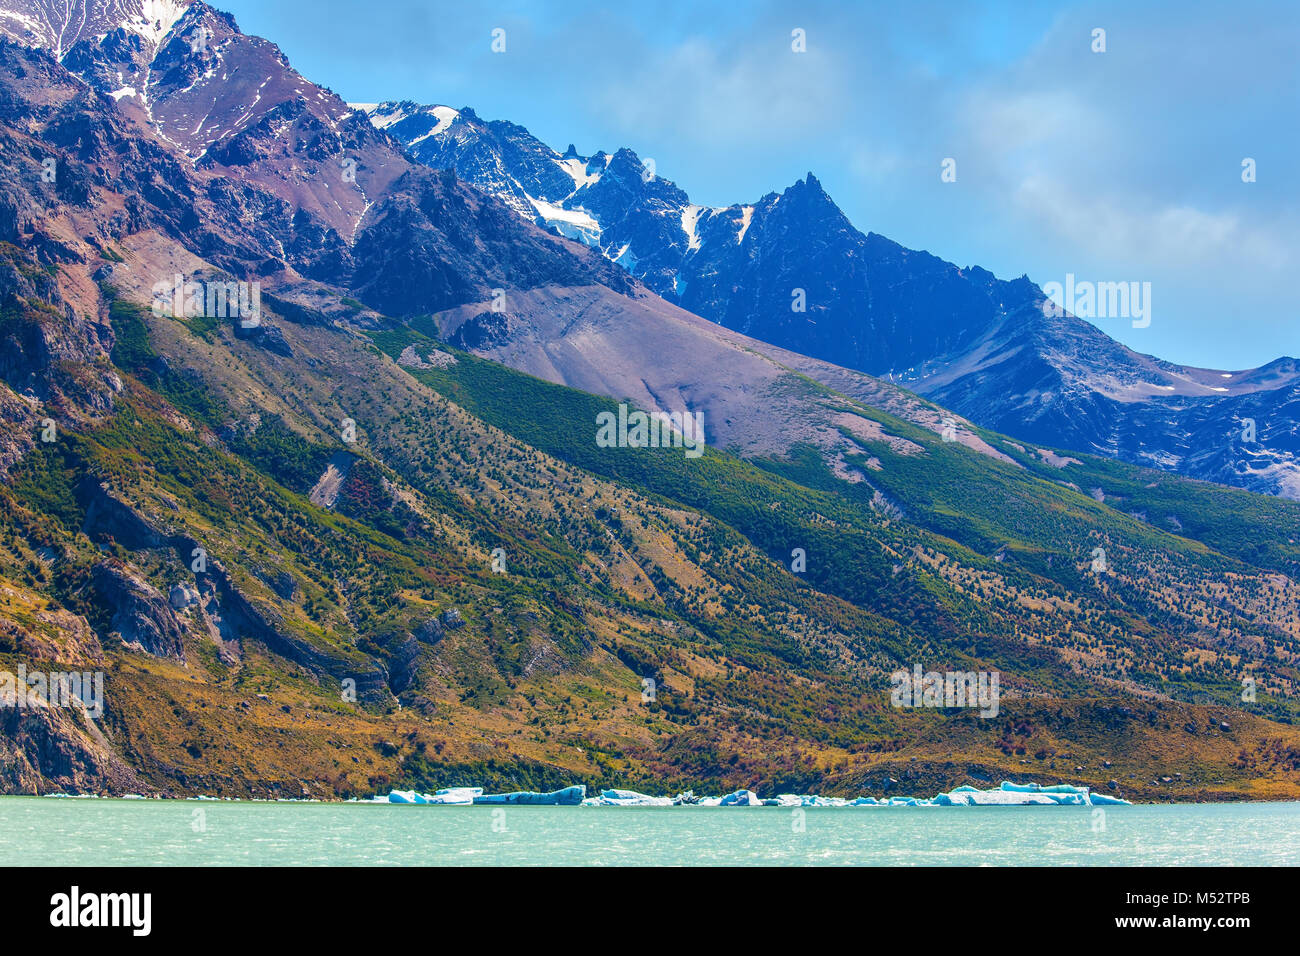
x=747, y=216
x=383, y=115
x=30, y=24
x=388, y=115
x=58, y=25
x=66, y=23
x=625, y=258
x=577, y=170
x=445, y=116
x=690, y=217
x=573, y=223
x=1274, y=469
x=156, y=19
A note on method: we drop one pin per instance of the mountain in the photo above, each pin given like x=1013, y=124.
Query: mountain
x=373, y=538
x=58, y=26
x=792, y=271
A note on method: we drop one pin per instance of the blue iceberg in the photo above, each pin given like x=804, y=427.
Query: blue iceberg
x=1025, y=795
x=1102, y=800
x=566, y=797
x=452, y=796
x=1007, y=794
x=627, y=798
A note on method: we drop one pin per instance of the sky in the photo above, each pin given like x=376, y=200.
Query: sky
x=1122, y=165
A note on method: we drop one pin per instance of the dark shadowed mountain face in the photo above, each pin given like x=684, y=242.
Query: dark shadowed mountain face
x=791, y=270
x=433, y=243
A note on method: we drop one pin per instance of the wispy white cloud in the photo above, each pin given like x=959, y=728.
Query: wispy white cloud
x=756, y=91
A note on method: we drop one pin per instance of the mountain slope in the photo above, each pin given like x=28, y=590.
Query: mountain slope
x=58, y=25
x=421, y=569
x=792, y=271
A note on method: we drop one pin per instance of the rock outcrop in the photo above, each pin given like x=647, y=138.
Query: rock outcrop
x=142, y=616
x=47, y=749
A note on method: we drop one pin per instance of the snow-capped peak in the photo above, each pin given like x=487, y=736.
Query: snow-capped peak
x=384, y=115
x=445, y=116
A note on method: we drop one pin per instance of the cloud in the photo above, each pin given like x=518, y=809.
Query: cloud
x=1129, y=228
x=753, y=91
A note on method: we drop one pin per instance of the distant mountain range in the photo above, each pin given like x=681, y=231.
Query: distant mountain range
x=791, y=270
x=369, y=537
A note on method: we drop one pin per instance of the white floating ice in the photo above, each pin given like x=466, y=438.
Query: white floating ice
x=1007, y=795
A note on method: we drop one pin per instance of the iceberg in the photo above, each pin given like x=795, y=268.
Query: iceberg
x=816, y=801
x=1008, y=794
x=1069, y=799
x=1011, y=794
x=627, y=798
x=454, y=795
x=1103, y=800
x=566, y=797
x=994, y=798
x=1039, y=788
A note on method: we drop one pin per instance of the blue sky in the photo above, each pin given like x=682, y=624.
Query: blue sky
x=1115, y=166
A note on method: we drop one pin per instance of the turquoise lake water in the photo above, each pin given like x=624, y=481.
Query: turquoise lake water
x=41, y=831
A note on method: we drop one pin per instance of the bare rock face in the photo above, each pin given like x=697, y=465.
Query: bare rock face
x=183, y=596
x=47, y=749
x=267, y=336
x=411, y=359
x=434, y=243
x=430, y=632
x=53, y=360
x=325, y=493
x=142, y=615
x=404, y=661
x=58, y=635
x=108, y=515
